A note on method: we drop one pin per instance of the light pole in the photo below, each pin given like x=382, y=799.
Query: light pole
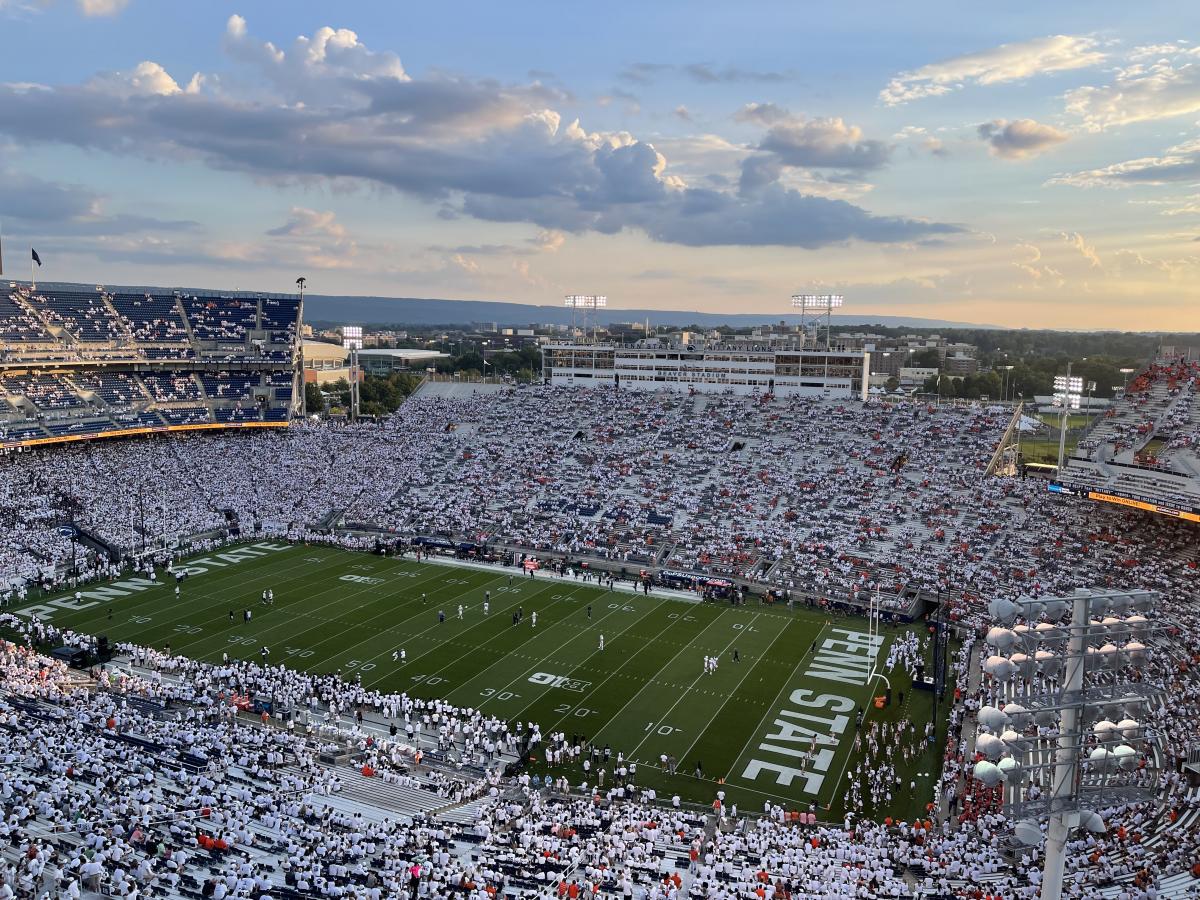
x=1064, y=697
x=352, y=340
x=1125, y=379
x=812, y=307
x=300, y=283
x=1068, y=390
x=1006, y=384
x=589, y=303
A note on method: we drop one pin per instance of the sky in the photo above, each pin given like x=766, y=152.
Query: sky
x=1033, y=166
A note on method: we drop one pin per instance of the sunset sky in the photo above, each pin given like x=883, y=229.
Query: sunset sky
x=1034, y=166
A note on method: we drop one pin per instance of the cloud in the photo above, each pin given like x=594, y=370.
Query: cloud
x=1132, y=261
x=308, y=222
x=318, y=237
x=1020, y=138
x=62, y=209
x=1162, y=88
x=316, y=64
x=1086, y=250
x=1180, y=163
x=823, y=143
x=702, y=73
x=1039, y=274
x=331, y=110
x=101, y=7
x=147, y=79
x=681, y=112
x=1008, y=62
x=549, y=241
x=793, y=142
x=935, y=147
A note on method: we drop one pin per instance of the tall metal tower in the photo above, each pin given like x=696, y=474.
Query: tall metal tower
x=588, y=303
x=352, y=340
x=1073, y=737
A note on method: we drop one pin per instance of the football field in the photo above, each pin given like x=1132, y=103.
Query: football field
x=777, y=723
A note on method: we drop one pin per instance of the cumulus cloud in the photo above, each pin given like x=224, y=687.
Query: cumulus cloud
x=1156, y=87
x=146, y=79
x=312, y=64
x=1008, y=62
x=1020, y=138
x=335, y=111
x=823, y=143
x=1180, y=163
x=793, y=142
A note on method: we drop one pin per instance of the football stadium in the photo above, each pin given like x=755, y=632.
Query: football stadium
x=533, y=641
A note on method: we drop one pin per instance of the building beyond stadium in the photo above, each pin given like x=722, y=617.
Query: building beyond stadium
x=653, y=364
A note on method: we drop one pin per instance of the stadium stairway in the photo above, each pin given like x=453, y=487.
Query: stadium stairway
x=375, y=797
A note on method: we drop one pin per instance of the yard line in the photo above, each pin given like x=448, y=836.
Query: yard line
x=688, y=689
x=517, y=715
x=520, y=600
x=650, y=680
x=138, y=600
x=532, y=636
x=713, y=718
x=607, y=678
x=390, y=611
x=175, y=615
x=773, y=705
x=341, y=597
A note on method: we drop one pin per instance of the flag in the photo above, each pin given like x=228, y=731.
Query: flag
x=37, y=259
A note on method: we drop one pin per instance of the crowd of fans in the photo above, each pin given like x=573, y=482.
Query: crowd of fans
x=150, y=782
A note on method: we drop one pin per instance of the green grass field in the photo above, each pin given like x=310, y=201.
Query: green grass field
x=645, y=693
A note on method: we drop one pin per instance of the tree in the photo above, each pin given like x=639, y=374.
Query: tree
x=314, y=400
x=340, y=389
x=892, y=383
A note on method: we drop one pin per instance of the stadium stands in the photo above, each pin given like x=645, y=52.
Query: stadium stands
x=804, y=495
x=80, y=363
x=1146, y=448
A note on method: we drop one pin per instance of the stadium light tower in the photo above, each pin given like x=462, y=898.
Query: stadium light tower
x=352, y=340
x=1068, y=392
x=1072, y=696
x=588, y=303
x=812, y=307
x=301, y=282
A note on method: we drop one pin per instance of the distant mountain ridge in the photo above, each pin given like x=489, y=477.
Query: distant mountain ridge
x=423, y=311
x=368, y=310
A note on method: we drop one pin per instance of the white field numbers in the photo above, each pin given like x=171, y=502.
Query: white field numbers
x=430, y=679
x=493, y=694
x=579, y=712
